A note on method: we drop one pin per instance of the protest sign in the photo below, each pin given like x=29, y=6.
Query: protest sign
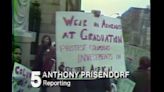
x=85, y=42
x=21, y=79
x=125, y=85
x=133, y=54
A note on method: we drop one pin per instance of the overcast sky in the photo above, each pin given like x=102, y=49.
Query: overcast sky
x=110, y=7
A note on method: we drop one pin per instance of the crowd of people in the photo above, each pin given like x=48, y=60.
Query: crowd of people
x=45, y=60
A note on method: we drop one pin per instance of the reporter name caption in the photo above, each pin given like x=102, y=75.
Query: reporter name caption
x=62, y=77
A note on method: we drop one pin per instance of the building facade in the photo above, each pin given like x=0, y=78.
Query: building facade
x=136, y=27
x=24, y=35
x=48, y=10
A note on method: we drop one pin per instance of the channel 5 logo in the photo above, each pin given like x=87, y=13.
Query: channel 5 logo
x=35, y=79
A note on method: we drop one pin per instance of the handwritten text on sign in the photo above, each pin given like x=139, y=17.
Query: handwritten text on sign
x=86, y=41
x=21, y=79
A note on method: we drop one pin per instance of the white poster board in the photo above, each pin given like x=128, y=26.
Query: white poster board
x=133, y=54
x=85, y=42
x=21, y=79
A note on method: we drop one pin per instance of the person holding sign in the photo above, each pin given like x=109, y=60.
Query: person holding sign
x=16, y=54
x=45, y=57
x=142, y=76
x=16, y=58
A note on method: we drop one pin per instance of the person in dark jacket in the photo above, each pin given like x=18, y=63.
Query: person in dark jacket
x=142, y=76
x=45, y=58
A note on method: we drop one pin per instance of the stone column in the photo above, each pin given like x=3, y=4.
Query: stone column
x=20, y=21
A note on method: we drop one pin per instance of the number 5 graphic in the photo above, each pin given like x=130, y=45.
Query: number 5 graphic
x=35, y=78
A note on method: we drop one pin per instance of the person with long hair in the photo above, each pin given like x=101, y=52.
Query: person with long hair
x=45, y=57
